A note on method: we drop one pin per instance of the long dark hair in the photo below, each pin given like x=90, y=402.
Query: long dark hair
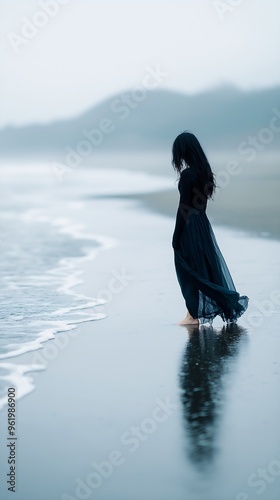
x=186, y=148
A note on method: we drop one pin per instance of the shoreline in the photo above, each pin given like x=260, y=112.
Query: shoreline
x=165, y=202
x=110, y=376
x=247, y=199
x=115, y=373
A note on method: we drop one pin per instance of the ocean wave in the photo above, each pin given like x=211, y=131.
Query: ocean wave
x=42, y=258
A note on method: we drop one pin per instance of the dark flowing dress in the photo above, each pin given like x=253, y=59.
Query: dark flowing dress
x=202, y=273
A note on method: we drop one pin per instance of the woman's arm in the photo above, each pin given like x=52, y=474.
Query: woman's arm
x=185, y=204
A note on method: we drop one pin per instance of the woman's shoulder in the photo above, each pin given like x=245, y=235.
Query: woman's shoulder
x=187, y=175
x=187, y=171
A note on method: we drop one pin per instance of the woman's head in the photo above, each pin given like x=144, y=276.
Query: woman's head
x=187, y=150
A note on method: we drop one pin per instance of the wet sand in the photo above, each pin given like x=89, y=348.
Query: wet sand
x=249, y=200
x=135, y=407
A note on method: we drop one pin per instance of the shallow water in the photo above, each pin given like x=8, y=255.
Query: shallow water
x=44, y=244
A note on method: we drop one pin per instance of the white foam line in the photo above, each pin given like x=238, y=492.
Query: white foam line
x=17, y=378
x=65, y=266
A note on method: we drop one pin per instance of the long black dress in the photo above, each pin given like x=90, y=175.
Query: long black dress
x=202, y=272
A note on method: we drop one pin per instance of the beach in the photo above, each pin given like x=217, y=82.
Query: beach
x=130, y=405
x=104, y=393
x=245, y=198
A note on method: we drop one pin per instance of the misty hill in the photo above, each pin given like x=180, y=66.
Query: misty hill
x=221, y=118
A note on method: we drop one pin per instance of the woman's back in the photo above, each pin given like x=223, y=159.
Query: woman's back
x=191, y=190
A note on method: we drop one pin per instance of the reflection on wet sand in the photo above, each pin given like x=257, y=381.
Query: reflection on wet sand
x=207, y=359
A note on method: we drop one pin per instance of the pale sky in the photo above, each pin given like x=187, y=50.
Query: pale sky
x=88, y=50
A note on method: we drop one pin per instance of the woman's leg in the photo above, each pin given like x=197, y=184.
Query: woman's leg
x=192, y=302
x=189, y=320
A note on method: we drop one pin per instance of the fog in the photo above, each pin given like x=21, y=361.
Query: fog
x=61, y=57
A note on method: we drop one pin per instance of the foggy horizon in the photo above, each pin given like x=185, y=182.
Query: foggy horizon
x=64, y=118
x=57, y=64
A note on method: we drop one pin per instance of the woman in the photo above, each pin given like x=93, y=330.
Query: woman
x=202, y=272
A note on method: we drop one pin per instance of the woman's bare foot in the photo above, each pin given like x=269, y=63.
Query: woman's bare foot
x=189, y=320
